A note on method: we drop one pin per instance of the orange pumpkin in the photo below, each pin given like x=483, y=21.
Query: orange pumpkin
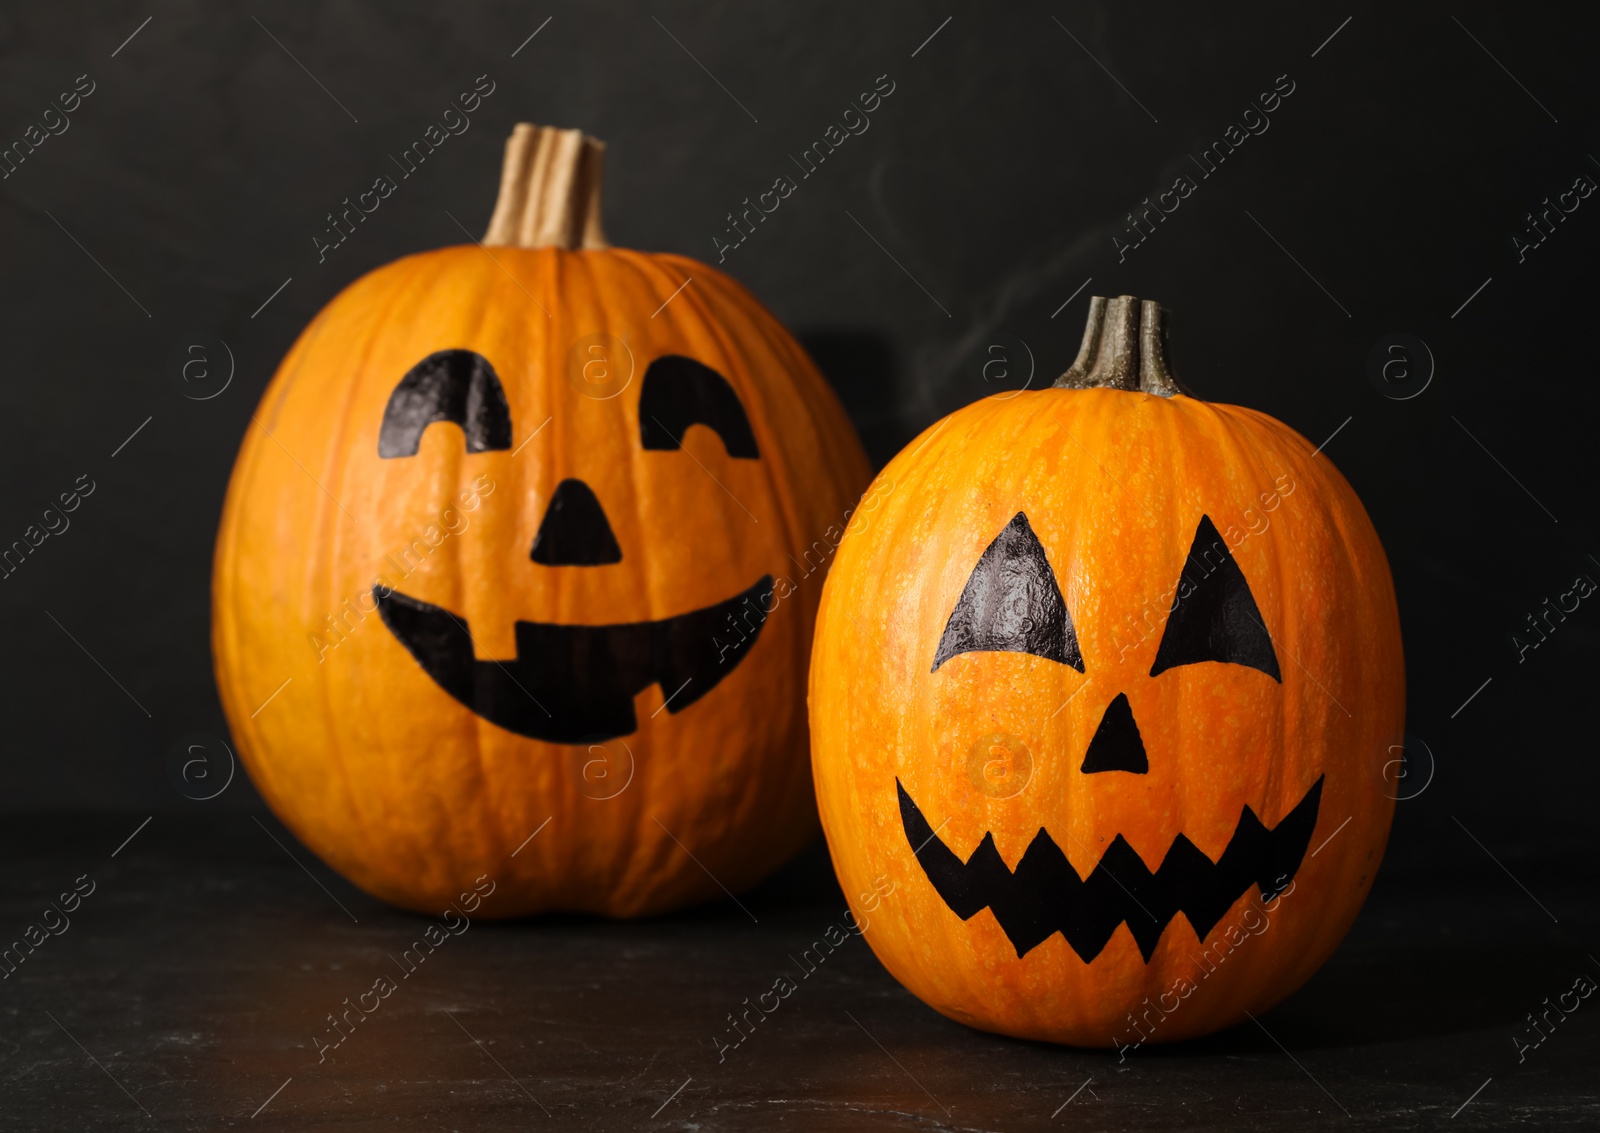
x=1101, y=696
x=504, y=584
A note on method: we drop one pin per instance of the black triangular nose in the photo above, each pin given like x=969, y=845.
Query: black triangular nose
x=1116, y=745
x=574, y=531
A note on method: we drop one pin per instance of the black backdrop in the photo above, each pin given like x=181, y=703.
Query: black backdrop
x=989, y=187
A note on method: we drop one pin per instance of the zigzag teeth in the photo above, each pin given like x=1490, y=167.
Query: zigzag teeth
x=1045, y=895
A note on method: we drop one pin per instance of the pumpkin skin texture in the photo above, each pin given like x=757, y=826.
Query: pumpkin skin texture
x=999, y=742
x=402, y=786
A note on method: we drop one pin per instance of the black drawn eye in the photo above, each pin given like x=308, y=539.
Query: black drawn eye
x=1011, y=603
x=1214, y=616
x=679, y=392
x=448, y=385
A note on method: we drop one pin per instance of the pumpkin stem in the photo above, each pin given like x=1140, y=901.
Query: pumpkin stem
x=549, y=190
x=1124, y=347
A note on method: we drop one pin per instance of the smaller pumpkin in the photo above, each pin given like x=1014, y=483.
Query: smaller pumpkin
x=1099, y=699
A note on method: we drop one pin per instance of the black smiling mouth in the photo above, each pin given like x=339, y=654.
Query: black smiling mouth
x=1044, y=895
x=574, y=683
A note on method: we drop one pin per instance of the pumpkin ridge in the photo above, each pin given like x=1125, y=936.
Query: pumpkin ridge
x=324, y=596
x=640, y=847
x=820, y=401
x=476, y=730
x=1256, y=476
x=402, y=286
x=312, y=593
x=768, y=441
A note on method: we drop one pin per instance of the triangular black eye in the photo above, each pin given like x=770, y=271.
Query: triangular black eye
x=1012, y=604
x=1214, y=617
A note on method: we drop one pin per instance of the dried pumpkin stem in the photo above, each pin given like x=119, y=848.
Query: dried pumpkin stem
x=549, y=190
x=1124, y=347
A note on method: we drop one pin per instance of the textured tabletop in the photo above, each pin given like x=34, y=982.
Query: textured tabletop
x=191, y=988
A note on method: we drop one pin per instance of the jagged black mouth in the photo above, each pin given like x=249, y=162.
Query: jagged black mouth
x=573, y=683
x=1044, y=895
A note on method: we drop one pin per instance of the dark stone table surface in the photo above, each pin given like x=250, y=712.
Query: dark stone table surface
x=193, y=983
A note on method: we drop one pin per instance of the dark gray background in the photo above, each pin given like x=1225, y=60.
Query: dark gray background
x=196, y=176
x=997, y=174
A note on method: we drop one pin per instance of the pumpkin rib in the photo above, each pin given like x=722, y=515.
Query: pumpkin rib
x=1239, y=455
x=733, y=304
x=715, y=293
x=640, y=855
x=558, y=279
x=647, y=850
x=731, y=299
x=356, y=804
x=649, y=853
x=279, y=392
x=434, y=285
x=819, y=400
x=314, y=596
x=1199, y=424
x=437, y=276
x=492, y=294
x=1082, y=811
x=292, y=377
x=815, y=398
x=1350, y=535
x=773, y=453
x=538, y=272
x=1283, y=436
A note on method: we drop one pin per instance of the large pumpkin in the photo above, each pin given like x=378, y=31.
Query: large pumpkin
x=506, y=584
x=1101, y=698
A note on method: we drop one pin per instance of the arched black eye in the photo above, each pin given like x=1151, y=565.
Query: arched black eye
x=1012, y=604
x=1214, y=616
x=679, y=392
x=449, y=385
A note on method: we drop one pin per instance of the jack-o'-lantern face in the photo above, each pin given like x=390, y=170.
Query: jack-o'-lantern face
x=1099, y=701
x=530, y=535
x=572, y=683
x=1013, y=603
